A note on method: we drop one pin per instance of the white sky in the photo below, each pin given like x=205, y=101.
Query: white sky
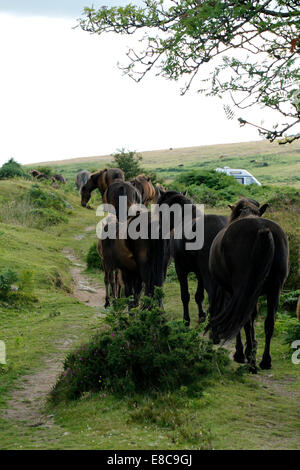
x=62, y=96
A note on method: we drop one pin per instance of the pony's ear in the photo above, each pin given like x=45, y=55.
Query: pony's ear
x=230, y=207
x=148, y=179
x=185, y=192
x=263, y=209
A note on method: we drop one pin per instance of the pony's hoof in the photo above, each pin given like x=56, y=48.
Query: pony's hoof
x=202, y=318
x=253, y=369
x=214, y=337
x=265, y=364
x=238, y=357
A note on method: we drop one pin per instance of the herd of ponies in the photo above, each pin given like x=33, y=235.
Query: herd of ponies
x=243, y=257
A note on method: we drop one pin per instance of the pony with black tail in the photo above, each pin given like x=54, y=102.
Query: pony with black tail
x=119, y=189
x=248, y=258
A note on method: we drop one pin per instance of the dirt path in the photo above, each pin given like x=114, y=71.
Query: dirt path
x=27, y=402
x=84, y=289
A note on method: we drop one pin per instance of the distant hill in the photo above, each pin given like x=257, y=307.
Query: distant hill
x=270, y=163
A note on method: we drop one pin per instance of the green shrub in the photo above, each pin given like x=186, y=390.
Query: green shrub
x=11, y=169
x=218, y=189
x=43, y=199
x=137, y=353
x=288, y=300
x=36, y=208
x=26, y=282
x=211, y=178
x=129, y=162
x=46, y=217
x=46, y=170
x=93, y=260
x=293, y=280
x=283, y=197
x=23, y=289
x=7, y=279
x=292, y=332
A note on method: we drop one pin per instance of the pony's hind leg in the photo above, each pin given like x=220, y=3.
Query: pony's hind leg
x=199, y=297
x=272, y=302
x=251, y=345
x=239, y=355
x=185, y=295
x=250, y=351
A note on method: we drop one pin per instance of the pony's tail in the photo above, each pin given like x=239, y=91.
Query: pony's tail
x=157, y=256
x=238, y=310
x=298, y=309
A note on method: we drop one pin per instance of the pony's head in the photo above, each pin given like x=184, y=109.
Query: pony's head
x=85, y=195
x=247, y=207
x=173, y=197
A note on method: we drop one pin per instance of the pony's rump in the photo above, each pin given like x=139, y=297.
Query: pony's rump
x=228, y=321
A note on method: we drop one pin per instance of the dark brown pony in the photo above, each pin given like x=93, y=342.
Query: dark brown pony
x=121, y=188
x=144, y=185
x=118, y=257
x=38, y=175
x=100, y=180
x=196, y=261
x=141, y=261
x=112, y=276
x=159, y=189
x=248, y=258
x=60, y=178
x=115, y=253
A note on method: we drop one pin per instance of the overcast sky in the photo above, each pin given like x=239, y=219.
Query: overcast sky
x=56, y=8
x=62, y=95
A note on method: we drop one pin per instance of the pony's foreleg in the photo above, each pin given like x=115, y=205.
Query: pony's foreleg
x=137, y=291
x=199, y=297
x=185, y=295
x=272, y=302
x=239, y=350
x=107, y=286
x=117, y=285
x=113, y=285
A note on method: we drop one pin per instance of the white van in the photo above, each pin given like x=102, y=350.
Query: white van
x=242, y=176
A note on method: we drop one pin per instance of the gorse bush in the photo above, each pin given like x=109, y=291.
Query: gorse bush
x=12, y=169
x=93, y=260
x=7, y=279
x=139, y=352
